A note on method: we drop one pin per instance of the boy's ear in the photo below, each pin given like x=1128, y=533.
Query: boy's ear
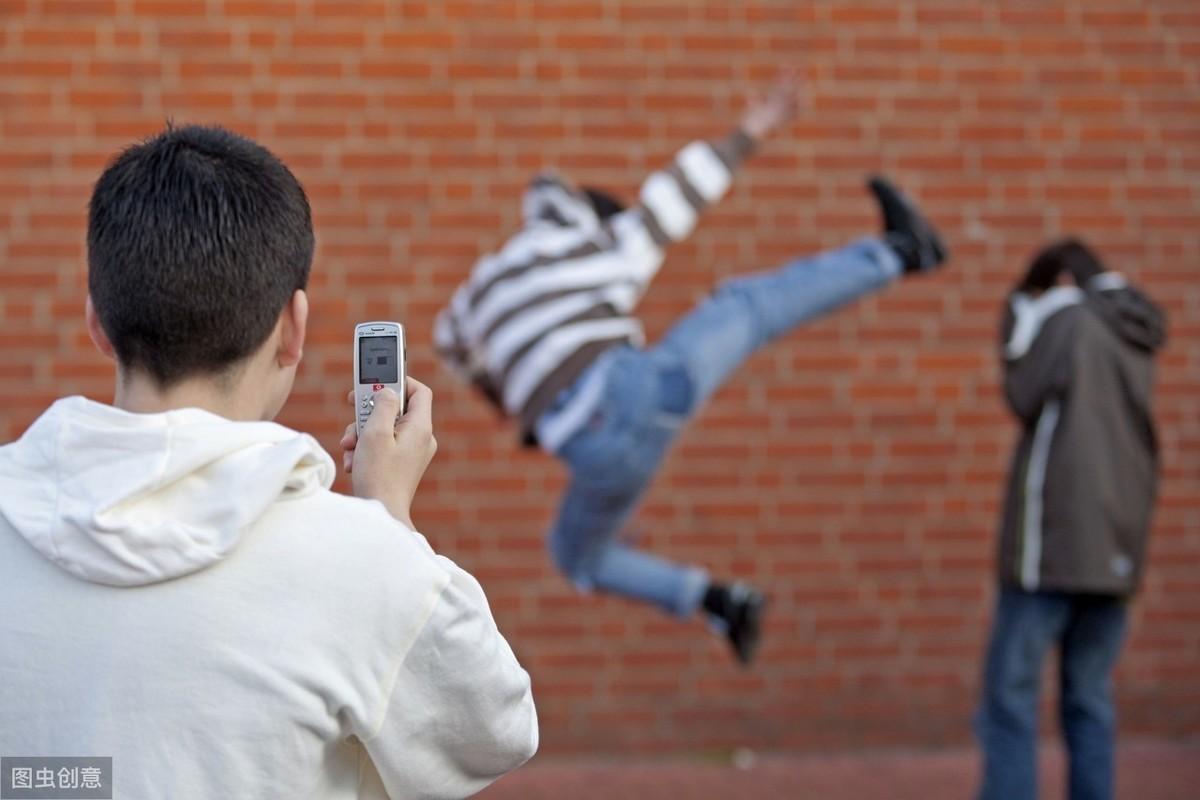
x=293, y=324
x=96, y=331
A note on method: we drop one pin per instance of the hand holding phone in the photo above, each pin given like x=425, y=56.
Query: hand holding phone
x=387, y=455
x=379, y=363
x=388, y=461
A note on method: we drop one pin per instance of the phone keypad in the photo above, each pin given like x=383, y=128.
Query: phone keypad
x=365, y=409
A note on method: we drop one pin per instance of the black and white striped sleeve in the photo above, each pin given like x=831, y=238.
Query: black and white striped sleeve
x=450, y=341
x=671, y=199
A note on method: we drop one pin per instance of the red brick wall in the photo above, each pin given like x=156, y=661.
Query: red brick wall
x=853, y=469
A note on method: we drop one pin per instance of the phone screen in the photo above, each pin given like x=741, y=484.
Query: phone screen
x=377, y=360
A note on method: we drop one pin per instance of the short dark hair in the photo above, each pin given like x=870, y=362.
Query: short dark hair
x=197, y=240
x=1071, y=255
x=604, y=204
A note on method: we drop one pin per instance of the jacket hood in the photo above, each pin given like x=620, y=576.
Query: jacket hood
x=132, y=499
x=1128, y=312
x=552, y=200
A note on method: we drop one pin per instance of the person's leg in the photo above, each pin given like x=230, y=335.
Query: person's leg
x=1025, y=627
x=672, y=381
x=584, y=547
x=1090, y=648
x=748, y=312
x=612, y=461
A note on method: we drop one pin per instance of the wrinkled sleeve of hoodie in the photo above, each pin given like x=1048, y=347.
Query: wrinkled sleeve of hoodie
x=671, y=199
x=461, y=711
x=1037, y=339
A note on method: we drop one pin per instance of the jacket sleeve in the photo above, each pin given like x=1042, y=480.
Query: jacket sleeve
x=1037, y=337
x=456, y=351
x=450, y=341
x=671, y=199
x=461, y=710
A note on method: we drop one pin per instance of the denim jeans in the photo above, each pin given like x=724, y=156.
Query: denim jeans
x=646, y=396
x=1089, y=630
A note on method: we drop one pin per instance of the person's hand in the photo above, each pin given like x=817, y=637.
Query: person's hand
x=389, y=460
x=780, y=105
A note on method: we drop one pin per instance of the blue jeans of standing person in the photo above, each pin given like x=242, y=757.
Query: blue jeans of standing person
x=644, y=397
x=1089, y=630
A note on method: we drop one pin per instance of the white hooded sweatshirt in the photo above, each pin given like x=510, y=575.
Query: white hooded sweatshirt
x=184, y=594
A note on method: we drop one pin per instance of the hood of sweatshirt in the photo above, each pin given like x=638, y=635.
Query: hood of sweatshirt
x=1128, y=312
x=132, y=499
x=552, y=200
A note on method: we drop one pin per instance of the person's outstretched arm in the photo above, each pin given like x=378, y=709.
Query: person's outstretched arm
x=671, y=199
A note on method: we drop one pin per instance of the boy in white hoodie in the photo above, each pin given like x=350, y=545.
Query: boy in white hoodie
x=181, y=591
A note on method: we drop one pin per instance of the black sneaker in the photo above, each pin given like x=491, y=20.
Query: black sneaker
x=739, y=617
x=906, y=230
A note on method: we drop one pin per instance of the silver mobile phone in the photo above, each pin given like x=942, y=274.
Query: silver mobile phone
x=378, y=364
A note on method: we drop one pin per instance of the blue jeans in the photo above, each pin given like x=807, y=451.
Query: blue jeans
x=646, y=396
x=1089, y=629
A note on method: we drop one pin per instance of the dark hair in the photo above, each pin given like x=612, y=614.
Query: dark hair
x=197, y=240
x=604, y=204
x=1071, y=255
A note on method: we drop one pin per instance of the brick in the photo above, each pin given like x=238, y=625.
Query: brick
x=104, y=99
x=356, y=10
x=169, y=8
x=90, y=8
x=851, y=14
x=992, y=133
x=125, y=70
x=1034, y=17
x=564, y=12
x=191, y=70
x=1051, y=47
x=196, y=39
x=983, y=46
x=59, y=36
x=1093, y=104
x=1024, y=162
x=326, y=101
x=198, y=100
x=937, y=16
x=343, y=40
x=35, y=69
x=434, y=40
x=272, y=9
x=389, y=68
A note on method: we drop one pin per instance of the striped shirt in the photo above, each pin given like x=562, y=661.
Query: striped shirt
x=533, y=316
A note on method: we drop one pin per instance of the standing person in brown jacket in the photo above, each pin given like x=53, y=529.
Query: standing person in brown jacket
x=1078, y=374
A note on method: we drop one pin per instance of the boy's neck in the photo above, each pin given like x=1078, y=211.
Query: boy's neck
x=139, y=394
